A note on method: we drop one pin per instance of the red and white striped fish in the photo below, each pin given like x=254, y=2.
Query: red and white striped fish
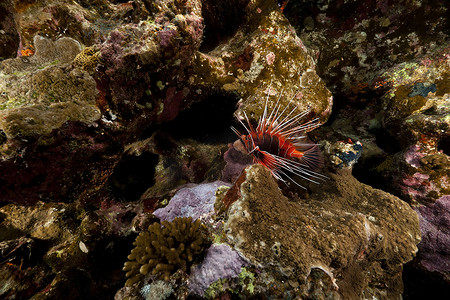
x=280, y=144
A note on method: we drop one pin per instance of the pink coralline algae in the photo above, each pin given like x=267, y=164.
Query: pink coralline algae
x=220, y=262
x=434, y=250
x=195, y=28
x=166, y=36
x=236, y=162
x=418, y=185
x=413, y=156
x=270, y=58
x=172, y=104
x=194, y=201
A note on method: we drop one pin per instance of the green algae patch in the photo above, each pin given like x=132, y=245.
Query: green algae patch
x=247, y=280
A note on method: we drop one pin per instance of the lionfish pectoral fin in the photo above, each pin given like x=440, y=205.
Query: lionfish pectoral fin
x=312, y=157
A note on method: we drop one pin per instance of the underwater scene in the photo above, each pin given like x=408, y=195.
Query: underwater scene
x=224, y=149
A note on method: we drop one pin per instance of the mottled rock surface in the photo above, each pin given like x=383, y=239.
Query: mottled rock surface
x=355, y=41
x=9, y=38
x=359, y=236
x=221, y=262
x=118, y=70
x=41, y=92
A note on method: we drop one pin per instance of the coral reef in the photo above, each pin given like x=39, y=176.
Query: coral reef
x=87, y=59
x=60, y=239
x=344, y=227
x=164, y=249
x=355, y=41
x=110, y=110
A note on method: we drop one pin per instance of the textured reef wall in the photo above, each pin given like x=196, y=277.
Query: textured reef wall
x=115, y=121
x=357, y=235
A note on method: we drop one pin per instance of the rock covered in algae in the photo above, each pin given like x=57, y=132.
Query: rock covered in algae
x=169, y=61
x=355, y=41
x=47, y=247
x=41, y=92
x=420, y=174
x=9, y=38
x=163, y=250
x=357, y=235
x=263, y=57
x=416, y=105
x=416, y=110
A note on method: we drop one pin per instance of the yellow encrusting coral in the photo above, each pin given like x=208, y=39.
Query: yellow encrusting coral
x=87, y=59
x=165, y=248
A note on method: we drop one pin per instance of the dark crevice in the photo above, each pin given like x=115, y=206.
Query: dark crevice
x=387, y=142
x=444, y=145
x=365, y=170
x=133, y=175
x=207, y=122
x=221, y=20
x=365, y=173
x=422, y=284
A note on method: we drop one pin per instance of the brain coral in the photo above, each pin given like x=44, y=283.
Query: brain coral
x=162, y=250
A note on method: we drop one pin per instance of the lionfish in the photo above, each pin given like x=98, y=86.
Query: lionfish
x=280, y=143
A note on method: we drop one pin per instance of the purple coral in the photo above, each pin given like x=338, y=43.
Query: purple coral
x=413, y=156
x=435, y=227
x=192, y=202
x=220, y=262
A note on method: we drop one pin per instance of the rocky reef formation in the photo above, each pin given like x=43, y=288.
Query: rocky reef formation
x=42, y=92
x=120, y=70
x=47, y=247
x=357, y=235
x=387, y=66
x=115, y=115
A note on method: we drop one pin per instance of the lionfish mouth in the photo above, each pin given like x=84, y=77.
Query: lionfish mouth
x=279, y=142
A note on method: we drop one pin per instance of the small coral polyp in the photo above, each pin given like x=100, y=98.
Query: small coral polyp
x=163, y=249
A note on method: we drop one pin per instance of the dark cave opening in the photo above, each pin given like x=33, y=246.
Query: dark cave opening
x=444, y=145
x=207, y=121
x=133, y=175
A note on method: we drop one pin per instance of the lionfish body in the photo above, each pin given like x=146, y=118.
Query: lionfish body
x=280, y=144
